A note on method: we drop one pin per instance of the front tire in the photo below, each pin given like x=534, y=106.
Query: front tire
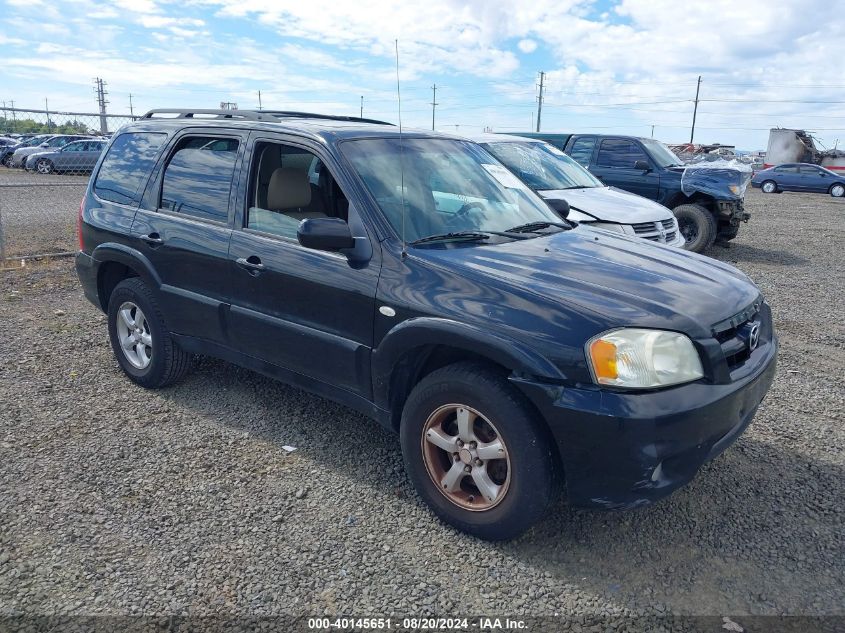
x=837, y=190
x=476, y=453
x=697, y=225
x=769, y=186
x=139, y=338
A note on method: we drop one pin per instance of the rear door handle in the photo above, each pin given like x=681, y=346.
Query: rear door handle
x=251, y=264
x=153, y=239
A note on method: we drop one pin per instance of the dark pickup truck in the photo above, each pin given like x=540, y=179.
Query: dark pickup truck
x=708, y=203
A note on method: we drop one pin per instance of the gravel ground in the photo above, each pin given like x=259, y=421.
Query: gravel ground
x=116, y=500
x=38, y=212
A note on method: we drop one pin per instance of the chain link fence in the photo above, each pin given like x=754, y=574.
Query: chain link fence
x=46, y=158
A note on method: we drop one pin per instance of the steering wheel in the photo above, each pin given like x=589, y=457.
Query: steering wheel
x=464, y=212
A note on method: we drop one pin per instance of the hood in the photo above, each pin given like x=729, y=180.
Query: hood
x=26, y=151
x=609, y=204
x=620, y=281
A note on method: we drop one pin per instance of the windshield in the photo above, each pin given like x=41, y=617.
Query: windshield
x=37, y=140
x=450, y=186
x=661, y=154
x=541, y=166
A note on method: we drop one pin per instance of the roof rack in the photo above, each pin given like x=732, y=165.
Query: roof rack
x=205, y=114
x=330, y=117
x=251, y=115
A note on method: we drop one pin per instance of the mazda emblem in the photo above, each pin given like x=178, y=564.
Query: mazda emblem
x=753, y=336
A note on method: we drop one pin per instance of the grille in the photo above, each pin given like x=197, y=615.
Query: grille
x=732, y=335
x=651, y=230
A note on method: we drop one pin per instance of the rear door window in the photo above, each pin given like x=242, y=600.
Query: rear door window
x=582, y=150
x=198, y=178
x=619, y=153
x=127, y=166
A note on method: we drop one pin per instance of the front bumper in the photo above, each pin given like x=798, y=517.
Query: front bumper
x=732, y=211
x=624, y=449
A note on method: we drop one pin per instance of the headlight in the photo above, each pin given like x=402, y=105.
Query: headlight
x=642, y=359
x=734, y=189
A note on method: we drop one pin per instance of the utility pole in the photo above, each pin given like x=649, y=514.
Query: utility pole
x=652, y=130
x=131, y=108
x=101, y=102
x=433, y=103
x=259, y=99
x=47, y=110
x=695, y=109
x=14, y=117
x=540, y=100
x=361, y=115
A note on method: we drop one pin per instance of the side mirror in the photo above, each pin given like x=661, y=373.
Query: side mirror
x=559, y=206
x=325, y=234
x=643, y=165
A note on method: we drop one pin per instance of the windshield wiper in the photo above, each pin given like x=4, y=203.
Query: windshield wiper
x=469, y=236
x=532, y=227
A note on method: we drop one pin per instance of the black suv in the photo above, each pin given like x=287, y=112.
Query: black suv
x=411, y=277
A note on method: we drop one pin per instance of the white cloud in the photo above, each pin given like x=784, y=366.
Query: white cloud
x=527, y=46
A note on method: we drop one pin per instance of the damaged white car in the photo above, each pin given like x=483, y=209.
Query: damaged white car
x=555, y=176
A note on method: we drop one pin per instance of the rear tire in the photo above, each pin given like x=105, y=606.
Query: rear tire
x=492, y=476
x=837, y=190
x=769, y=186
x=139, y=338
x=697, y=225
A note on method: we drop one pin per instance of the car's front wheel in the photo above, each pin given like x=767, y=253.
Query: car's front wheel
x=837, y=190
x=476, y=453
x=769, y=187
x=140, y=340
x=43, y=166
x=697, y=225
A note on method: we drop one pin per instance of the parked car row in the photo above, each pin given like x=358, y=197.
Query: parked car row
x=68, y=153
x=412, y=277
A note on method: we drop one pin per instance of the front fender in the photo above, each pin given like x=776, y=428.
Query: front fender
x=423, y=331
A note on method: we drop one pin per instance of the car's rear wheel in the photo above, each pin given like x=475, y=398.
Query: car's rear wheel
x=837, y=190
x=769, y=186
x=476, y=453
x=43, y=166
x=139, y=338
x=697, y=226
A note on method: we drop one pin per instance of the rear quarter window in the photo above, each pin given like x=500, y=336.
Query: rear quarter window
x=127, y=166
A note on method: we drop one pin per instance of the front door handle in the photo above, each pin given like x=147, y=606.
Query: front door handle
x=251, y=264
x=153, y=239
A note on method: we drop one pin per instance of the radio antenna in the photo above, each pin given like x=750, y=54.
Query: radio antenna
x=401, y=153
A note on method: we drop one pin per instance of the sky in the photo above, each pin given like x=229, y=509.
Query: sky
x=612, y=66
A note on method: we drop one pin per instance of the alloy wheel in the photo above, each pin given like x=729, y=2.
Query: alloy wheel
x=466, y=457
x=769, y=187
x=43, y=167
x=837, y=191
x=136, y=341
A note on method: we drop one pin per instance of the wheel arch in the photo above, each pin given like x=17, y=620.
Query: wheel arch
x=417, y=347
x=116, y=263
